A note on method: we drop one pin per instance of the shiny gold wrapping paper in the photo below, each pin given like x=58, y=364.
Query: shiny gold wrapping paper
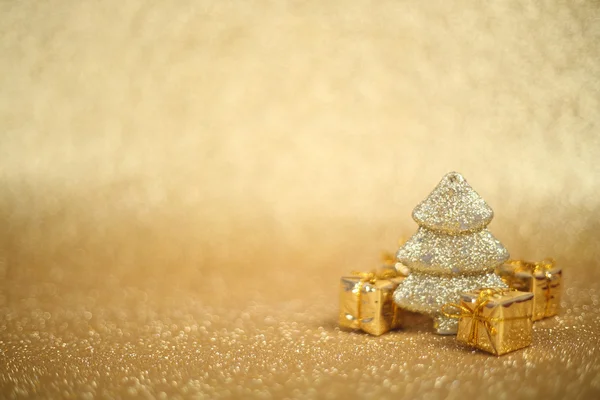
x=500, y=325
x=183, y=183
x=545, y=284
x=368, y=305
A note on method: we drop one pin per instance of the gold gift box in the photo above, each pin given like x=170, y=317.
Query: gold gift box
x=543, y=279
x=366, y=301
x=495, y=320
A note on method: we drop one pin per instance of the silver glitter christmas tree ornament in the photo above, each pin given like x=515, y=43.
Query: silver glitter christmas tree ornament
x=451, y=252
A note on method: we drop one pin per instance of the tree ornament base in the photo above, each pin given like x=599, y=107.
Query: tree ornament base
x=426, y=294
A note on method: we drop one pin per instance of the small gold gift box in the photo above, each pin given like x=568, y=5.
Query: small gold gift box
x=496, y=320
x=542, y=278
x=366, y=301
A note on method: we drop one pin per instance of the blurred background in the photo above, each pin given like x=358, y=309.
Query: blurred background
x=232, y=153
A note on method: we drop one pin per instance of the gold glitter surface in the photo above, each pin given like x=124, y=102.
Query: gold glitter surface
x=184, y=183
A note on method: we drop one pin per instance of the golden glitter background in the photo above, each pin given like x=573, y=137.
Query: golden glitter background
x=183, y=183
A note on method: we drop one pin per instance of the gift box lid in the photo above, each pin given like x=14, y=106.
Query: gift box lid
x=501, y=296
x=525, y=269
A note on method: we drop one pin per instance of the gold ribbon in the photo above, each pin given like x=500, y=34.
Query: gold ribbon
x=484, y=297
x=544, y=267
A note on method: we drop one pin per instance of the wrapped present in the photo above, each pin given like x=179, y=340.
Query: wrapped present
x=542, y=278
x=366, y=301
x=496, y=320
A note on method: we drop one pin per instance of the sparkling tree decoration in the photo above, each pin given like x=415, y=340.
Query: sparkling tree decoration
x=451, y=252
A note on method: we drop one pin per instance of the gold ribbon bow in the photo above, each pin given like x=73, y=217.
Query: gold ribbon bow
x=544, y=267
x=484, y=297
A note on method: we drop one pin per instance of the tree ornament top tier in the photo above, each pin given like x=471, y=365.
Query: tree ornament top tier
x=453, y=207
